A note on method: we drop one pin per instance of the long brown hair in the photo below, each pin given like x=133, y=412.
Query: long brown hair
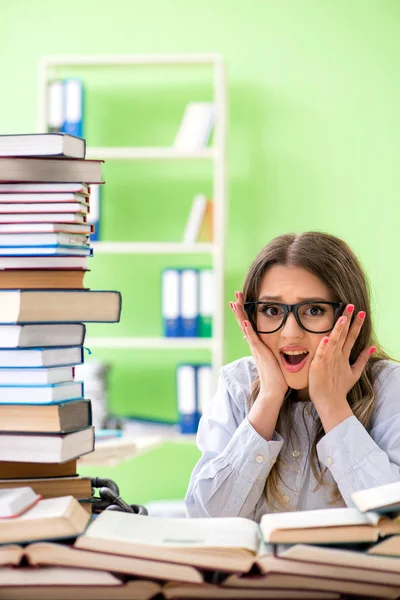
x=334, y=263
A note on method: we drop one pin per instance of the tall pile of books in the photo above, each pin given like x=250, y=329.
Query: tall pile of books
x=45, y=419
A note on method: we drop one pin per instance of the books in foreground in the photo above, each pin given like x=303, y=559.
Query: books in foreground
x=12, y=470
x=38, y=336
x=52, y=518
x=228, y=544
x=42, y=144
x=62, y=417
x=15, y=501
x=383, y=498
x=50, y=169
x=36, y=306
x=46, y=448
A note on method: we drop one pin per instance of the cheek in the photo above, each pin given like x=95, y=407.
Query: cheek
x=271, y=340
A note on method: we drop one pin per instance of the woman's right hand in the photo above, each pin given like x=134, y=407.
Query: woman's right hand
x=272, y=382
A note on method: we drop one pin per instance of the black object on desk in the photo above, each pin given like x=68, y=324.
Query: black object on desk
x=109, y=498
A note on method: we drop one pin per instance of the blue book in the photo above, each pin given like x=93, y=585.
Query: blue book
x=41, y=394
x=73, y=106
x=187, y=398
x=50, y=250
x=189, y=302
x=170, y=293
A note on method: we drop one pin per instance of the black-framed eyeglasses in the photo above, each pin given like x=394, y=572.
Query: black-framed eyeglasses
x=314, y=317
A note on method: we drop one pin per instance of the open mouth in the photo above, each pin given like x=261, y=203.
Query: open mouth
x=295, y=360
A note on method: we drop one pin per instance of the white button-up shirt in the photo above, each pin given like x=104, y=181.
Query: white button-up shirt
x=229, y=479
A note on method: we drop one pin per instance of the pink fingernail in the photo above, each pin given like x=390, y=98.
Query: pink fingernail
x=350, y=308
x=372, y=350
x=237, y=295
x=231, y=305
x=342, y=320
x=245, y=323
x=361, y=315
x=326, y=340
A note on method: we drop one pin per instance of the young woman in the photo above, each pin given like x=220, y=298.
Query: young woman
x=314, y=414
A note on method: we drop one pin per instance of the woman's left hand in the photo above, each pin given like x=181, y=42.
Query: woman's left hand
x=331, y=376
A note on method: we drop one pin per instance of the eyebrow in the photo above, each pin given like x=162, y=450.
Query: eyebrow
x=279, y=299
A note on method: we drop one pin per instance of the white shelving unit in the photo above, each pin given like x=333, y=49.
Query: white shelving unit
x=48, y=69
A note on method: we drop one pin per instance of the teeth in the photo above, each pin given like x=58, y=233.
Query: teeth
x=295, y=352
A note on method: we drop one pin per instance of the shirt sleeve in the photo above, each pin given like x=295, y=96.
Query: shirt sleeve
x=359, y=459
x=229, y=478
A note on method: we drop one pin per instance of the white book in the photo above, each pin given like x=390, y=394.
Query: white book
x=55, y=105
x=36, y=188
x=15, y=501
x=10, y=208
x=57, y=217
x=41, y=376
x=44, y=448
x=41, y=394
x=195, y=219
x=206, y=300
x=189, y=302
x=38, y=336
x=196, y=126
x=43, y=239
x=41, y=357
x=170, y=286
x=42, y=144
x=381, y=498
x=275, y=524
x=186, y=398
x=78, y=228
x=20, y=197
x=44, y=250
x=43, y=262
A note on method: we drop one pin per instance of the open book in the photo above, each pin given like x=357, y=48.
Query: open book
x=225, y=544
x=52, y=518
x=329, y=569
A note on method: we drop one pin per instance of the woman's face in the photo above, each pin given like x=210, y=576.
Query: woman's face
x=290, y=285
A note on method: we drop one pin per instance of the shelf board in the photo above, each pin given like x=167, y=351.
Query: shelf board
x=102, y=60
x=148, y=153
x=151, y=248
x=151, y=343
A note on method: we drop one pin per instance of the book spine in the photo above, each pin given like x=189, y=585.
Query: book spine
x=189, y=302
x=206, y=302
x=73, y=107
x=187, y=398
x=170, y=291
x=55, y=106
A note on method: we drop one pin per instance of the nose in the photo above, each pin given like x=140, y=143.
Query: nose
x=291, y=329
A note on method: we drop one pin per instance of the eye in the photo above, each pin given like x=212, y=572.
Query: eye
x=315, y=310
x=270, y=310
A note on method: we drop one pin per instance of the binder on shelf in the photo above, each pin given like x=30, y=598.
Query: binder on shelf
x=170, y=293
x=93, y=217
x=195, y=219
x=73, y=106
x=206, y=226
x=187, y=398
x=189, y=302
x=206, y=302
x=55, y=106
x=204, y=386
x=196, y=126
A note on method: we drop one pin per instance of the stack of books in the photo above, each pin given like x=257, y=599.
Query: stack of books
x=321, y=555
x=45, y=419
